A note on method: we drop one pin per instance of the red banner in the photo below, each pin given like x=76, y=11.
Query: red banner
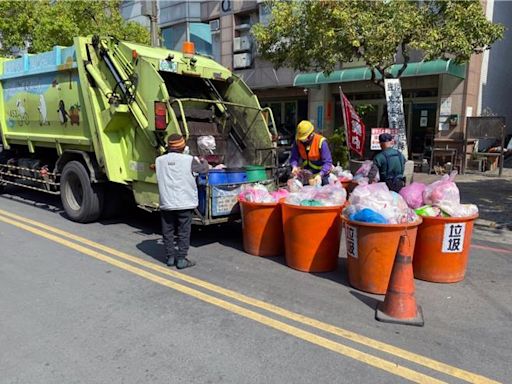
x=354, y=127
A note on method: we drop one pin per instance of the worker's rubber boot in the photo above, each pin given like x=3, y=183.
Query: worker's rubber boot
x=183, y=263
x=171, y=261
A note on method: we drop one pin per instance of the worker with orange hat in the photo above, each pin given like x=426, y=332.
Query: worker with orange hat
x=178, y=198
x=310, y=151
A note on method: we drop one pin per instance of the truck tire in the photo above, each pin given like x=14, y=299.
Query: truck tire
x=82, y=201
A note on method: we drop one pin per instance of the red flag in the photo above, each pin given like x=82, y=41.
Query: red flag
x=354, y=127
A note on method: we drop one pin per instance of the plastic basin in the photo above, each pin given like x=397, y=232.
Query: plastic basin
x=371, y=250
x=262, y=228
x=235, y=176
x=442, y=248
x=215, y=177
x=255, y=173
x=311, y=237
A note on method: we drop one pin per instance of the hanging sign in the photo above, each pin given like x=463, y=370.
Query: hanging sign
x=375, y=132
x=396, y=115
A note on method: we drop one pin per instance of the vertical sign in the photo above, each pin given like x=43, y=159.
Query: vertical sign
x=396, y=115
x=351, y=235
x=453, y=239
x=320, y=117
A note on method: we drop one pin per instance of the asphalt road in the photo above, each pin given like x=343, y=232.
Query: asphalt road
x=102, y=308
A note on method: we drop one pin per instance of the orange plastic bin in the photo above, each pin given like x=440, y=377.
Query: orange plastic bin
x=442, y=248
x=312, y=237
x=262, y=228
x=371, y=250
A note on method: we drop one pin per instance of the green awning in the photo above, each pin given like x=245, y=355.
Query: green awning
x=422, y=68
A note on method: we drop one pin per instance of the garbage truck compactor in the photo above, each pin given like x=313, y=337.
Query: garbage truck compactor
x=88, y=121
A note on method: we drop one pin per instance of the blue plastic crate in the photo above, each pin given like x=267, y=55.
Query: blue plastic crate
x=225, y=200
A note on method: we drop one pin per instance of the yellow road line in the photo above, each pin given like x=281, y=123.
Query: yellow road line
x=323, y=342
x=352, y=336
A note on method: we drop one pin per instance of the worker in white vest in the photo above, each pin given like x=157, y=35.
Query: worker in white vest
x=178, y=198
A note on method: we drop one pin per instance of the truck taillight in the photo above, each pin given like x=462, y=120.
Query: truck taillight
x=160, y=115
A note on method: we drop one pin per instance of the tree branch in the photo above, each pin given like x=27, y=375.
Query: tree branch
x=406, y=60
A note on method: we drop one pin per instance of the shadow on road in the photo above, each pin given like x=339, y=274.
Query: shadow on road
x=229, y=235
x=368, y=300
x=36, y=199
x=492, y=196
x=339, y=275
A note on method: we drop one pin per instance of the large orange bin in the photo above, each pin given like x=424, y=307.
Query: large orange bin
x=312, y=237
x=262, y=227
x=371, y=250
x=442, y=248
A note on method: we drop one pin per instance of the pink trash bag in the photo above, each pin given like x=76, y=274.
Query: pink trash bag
x=442, y=192
x=279, y=194
x=413, y=194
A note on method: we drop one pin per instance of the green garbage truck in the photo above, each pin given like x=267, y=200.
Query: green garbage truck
x=88, y=121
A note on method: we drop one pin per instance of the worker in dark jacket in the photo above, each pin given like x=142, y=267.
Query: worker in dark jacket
x=311, y=151
x=389, y=163
x=178, y=198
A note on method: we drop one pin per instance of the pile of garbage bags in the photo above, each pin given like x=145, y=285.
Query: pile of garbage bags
x=361, y=176
x=342, y=175
x=315, y=196
x=258, y=193
x=375, y=203
x=441, y=198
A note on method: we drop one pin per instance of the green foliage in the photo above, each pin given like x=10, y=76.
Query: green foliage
x=44, y=24
x=338, y=142
x=320, y=34
x=339, y=149
x=363, y=109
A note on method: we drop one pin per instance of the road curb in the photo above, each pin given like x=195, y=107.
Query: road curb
x=487, y=223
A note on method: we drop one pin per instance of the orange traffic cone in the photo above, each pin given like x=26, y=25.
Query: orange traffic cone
x=399, y=305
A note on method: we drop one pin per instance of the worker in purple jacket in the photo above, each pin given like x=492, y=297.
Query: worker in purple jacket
x=311, y=151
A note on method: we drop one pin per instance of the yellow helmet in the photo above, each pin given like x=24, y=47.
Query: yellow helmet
x=304, y=129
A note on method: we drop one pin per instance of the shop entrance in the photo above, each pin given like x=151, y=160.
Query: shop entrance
x=422, y=129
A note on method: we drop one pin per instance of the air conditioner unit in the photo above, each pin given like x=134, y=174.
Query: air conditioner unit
x=242, y=60
x=214, y=25
x=242, y=43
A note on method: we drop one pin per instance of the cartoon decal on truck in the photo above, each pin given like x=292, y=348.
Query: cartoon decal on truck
x=74, y=114
x=63, y=114
x=43, y=116
x=19, y=114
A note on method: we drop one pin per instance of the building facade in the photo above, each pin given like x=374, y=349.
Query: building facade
x=438, y=96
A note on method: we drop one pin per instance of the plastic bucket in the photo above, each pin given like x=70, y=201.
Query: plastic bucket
x=262, y=228
x=442, y=248
x=255, y=173
x=371, y=250
x=311, y=237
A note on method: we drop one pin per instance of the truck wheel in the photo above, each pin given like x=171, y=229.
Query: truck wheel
x=82, y=201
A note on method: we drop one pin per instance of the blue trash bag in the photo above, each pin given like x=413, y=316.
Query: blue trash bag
x=368, y=215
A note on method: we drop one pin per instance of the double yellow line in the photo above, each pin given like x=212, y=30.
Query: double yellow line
x=93, y=249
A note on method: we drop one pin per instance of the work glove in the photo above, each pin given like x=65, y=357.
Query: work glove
x=316, y=181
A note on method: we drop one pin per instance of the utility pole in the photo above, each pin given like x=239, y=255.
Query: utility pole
x=150, y=9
